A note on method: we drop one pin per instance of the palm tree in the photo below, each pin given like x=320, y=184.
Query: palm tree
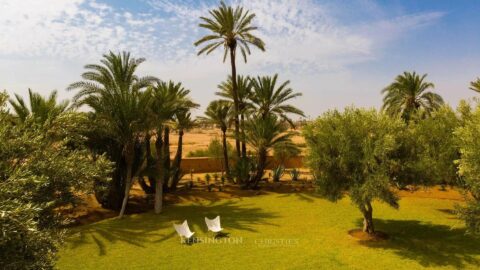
x=409, y=94
x=39, y=108
x=232, y=28
x=244, y=90
x=183, y=121
x=475, y=85
x=268, y=99
x=115, y=93
x=168, y=99
x=264, y=133
x=218, y=113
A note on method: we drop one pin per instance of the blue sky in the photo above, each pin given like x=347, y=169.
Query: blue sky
x=337, y=53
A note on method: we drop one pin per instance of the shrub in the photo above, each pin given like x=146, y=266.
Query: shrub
x=242, y=171
x=43, y=167
x=295, y=174
x=278, y=172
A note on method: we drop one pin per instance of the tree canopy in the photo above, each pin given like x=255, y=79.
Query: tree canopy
x=409, y=94
x=352, y=151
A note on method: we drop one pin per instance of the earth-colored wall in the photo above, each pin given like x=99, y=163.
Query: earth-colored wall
x=208, y=165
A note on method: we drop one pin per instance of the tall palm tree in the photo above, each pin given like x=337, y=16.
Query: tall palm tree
x=268, y=98
x=264, y=133
x=244, y=90
x=232, y=28
x=183, y=121
x=116, y=95
x=40, y=108
x=475, y=85
x=219, y=114
x=408, y=94
x=168, y=98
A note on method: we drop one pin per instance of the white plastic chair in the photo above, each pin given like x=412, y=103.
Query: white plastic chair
x=214, y=224
x=183, y=230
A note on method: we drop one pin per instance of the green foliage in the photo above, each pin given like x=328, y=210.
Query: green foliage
x=231, y=28
x=23, y=244
x=469, y=169
x=208, y=177
x=114, y=92
x=268, y=98
x=475, y=85
x=278, y=172
x=43, y=167
x=262, y=134
x=408, y=94
x=218, y=113
x=436, y=145
x=352, y=152
x=40, y=109
x=244, y=91
x=243, y=170
x=295, y=174
x=427, y=150
x=283, y=151
x=120, y=103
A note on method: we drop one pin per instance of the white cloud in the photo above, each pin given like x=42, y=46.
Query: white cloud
x=386, y=30
x=69, y=29
x=44, y=46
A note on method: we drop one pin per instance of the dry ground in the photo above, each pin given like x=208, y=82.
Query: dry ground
x=197, y=138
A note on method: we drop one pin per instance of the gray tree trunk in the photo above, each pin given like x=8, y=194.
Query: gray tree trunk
x=235, y=99
x=128, y=152
x=368, y=219
x=159, y=179
x=225, y=152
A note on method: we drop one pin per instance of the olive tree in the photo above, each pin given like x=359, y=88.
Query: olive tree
x=43, y=167
x=437, y=147
x=469, y=169
x=351, y=152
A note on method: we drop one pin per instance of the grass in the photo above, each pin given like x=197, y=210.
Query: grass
x=278, y=231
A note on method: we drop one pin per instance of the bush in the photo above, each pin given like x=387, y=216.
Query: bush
x=243, y=170
x=278, y=172
x=43, y=167
x=295, y=174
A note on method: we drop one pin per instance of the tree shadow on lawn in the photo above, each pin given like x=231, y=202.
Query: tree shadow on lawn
x=137, y=230
x=429, y=244
x=303, y=196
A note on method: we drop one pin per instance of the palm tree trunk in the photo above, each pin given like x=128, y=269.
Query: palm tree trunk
x=225, y=152
x=235, y=100
x=128, y=153
x=166, y=158
x=177, y=161
x=244, y=144
x=159, y=168
x=262, y=162
x=150, y=187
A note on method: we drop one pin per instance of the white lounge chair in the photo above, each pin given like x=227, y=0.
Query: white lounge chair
x=183, y=230
x=213, y=224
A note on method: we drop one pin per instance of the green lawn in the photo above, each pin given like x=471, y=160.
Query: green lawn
x=278, y=231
